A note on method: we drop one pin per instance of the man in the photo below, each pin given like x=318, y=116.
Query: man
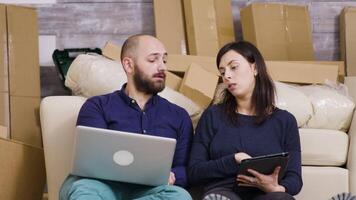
x=137, y=108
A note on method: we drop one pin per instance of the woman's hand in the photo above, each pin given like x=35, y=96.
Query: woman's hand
x=241, y=156
x=266, y=183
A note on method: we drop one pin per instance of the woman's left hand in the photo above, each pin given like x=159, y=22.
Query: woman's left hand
x=266, y=183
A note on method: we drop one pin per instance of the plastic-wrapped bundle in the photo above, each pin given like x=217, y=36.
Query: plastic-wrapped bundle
x=332, y=110
x=90, y=75
x=294, y=101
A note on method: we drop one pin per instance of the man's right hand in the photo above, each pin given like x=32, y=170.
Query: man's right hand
x=241, y=156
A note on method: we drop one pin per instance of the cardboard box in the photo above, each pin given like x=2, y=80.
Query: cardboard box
x=173, y=81
x=3, y=52
x=209, y=25
x=169, y=25
x=22, y=174
x=340, y=64
x=348, y=39
x=305, y=73
x=181, y=63
x=280, y=32
x=199, y=85
x=112, y=51
x=4, y=132
x=24, y=70
x=25, y=122
x=19, y=73
x=5, y=111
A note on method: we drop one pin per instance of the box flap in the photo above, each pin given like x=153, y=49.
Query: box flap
x=112, y=51
x=180, y=63
x=173, y=81
x=199, y=85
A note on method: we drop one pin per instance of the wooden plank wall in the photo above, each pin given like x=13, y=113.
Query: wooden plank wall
x=90, y=23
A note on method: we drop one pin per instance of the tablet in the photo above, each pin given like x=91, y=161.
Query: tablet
x=265, y=164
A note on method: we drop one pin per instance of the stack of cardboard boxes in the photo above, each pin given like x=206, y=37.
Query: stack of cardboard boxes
x=281, y=32
x=22, y=170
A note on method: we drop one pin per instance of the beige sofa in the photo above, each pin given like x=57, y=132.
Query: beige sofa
x=329, y=163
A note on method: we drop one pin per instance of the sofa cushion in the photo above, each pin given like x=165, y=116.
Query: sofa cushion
x=323, y=147
x=321, y=183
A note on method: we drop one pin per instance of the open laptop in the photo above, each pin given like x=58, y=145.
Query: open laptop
x=122, y=156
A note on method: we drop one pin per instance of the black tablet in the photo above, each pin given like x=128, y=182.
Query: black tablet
x=265, y=164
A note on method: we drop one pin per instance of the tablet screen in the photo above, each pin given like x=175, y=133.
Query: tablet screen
x=265, y=164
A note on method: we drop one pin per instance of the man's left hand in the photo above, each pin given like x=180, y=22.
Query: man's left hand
x=171, y=179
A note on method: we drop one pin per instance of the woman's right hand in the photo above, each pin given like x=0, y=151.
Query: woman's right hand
x=241, y=156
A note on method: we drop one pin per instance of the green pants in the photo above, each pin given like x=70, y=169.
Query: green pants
x=76, y=188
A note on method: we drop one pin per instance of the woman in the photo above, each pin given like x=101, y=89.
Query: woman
x=244, y=124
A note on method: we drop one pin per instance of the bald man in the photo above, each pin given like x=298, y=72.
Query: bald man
x=137, y=108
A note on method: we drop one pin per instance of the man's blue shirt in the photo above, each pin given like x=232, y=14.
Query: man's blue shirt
x=117, y=111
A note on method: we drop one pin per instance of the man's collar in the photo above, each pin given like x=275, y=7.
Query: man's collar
x=129, y=101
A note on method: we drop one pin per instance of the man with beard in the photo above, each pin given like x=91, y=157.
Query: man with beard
x=137, y=108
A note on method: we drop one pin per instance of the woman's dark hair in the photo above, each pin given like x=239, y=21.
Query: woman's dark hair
x=263, y=98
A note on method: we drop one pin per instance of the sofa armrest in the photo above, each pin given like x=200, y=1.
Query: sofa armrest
x=351, y=161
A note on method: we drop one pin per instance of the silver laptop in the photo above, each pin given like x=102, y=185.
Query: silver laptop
x=122, y=156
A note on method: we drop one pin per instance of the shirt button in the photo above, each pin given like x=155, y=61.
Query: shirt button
x=132, y=101
x=144, y=131
x=144, y=113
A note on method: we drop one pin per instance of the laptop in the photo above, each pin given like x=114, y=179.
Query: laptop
x=122, y=156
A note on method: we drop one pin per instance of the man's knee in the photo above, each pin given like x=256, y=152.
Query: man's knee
x=172, y=192
x=88, y=189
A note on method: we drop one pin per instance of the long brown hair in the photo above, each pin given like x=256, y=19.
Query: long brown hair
x=263, y=98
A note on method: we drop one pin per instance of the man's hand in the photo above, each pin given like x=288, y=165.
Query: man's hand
x=241, y=156
x=266, y=183
x=171, y=179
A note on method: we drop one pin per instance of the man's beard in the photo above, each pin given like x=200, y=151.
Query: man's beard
x=145, y=85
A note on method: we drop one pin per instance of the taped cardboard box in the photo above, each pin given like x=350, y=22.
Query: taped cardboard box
x=5, y=113
x=169, y=25
x=22, y=174
x=23, y=63
x=280, y=32
x=181, y=63
x=199, y=85
x=209, y=25
x=3, y=51
x=112, y=51
x=348, y=39
x=20, y=75
x=304, y=73
x=173, y=81
x=24, y=118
